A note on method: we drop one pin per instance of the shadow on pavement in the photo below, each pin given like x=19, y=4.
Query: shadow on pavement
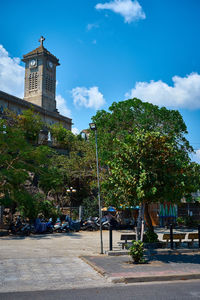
x=41, y=236
x=177, y=258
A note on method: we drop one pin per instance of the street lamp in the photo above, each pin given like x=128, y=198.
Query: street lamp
x=94, y=128
x=71, y=190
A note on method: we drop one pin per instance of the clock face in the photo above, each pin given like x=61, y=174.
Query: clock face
x=33, y=63
x=50, y=64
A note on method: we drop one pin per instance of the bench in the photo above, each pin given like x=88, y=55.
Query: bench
x=192, y=237
x=125, y=238
x=176, y=236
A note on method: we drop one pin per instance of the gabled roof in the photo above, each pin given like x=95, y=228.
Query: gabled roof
x=26, y=105
x=41, y=50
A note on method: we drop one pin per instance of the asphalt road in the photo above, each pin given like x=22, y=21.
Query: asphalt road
x=163, y=291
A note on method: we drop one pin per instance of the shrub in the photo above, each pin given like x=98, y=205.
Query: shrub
x=48, y=210
x=180, y=221
x=151, y=237
x=137, y=251
x=190, y=222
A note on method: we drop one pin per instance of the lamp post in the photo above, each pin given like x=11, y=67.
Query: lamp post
x=71, y=190
x=94, y=128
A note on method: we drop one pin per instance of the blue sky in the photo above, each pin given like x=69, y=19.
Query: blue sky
x=109, y=50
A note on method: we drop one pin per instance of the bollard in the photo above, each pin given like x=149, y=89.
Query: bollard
x=110, y=237
x=199, y=234
x=171, y=236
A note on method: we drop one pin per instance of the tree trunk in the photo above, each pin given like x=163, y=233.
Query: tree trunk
x=148, y=218
x=140, y=223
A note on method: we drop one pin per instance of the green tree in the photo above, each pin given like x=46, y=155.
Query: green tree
x=30, y=123
x=126, y=116
x=20, y=161
x=31, y=174
x=145, y=151
x=76, y=169
x=14, y=166
x=62, y=138
x=150, y=167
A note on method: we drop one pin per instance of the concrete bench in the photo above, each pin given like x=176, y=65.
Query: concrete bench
x=177, y=238
x=125, y=238
x=192, y=237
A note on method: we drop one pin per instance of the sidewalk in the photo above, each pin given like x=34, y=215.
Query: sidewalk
x=50, y=262
x=160, y=266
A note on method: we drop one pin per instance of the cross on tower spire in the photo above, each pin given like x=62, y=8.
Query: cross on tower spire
x=41, y=40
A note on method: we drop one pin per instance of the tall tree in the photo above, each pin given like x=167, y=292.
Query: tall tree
x=77, y=169
x=146, y=152
x=149, y=167
x=126, y=116
x=19, y=162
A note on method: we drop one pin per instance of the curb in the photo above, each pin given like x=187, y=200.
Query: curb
x=149, y=252
x=145, y=278
x=94, y=266
x=154, y=278
x=4, y=233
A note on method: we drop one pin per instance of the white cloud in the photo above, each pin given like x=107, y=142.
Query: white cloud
x=196, y=157
x=62, y=106
x=75, y=130
x=11, y=74
x=92, y=26
x=89, y=98
x=185, y=92
x=130, y=10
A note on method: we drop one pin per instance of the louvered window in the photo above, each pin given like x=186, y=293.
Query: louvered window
x=33, y=81
x=49, y=83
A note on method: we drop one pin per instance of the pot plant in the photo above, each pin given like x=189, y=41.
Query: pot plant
x=151, y=240
x=136, y=251
x=180, y=221
x=151, y=237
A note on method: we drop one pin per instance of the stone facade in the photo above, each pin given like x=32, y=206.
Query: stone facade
x=39, y=89
x=18, y=105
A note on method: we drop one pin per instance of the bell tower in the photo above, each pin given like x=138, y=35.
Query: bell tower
x=40, y=77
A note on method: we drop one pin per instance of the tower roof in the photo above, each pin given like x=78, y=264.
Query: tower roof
x=40, y=51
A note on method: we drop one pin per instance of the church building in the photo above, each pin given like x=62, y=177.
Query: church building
x=39, y=88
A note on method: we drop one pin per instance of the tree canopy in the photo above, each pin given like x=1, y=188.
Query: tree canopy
x=126, y=116
x=34, y=177
x=150, y=167
x=146, y=154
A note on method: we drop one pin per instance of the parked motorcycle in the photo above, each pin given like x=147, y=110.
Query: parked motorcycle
x=20, y=228
x=106, y=223
x=43, y=227
x=67, y=225
x=90, y=224
x=57, y=225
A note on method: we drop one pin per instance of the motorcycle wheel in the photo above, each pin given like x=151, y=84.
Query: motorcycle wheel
x=28, y=232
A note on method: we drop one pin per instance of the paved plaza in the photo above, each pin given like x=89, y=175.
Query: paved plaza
x=72, y=260
x=49, y=261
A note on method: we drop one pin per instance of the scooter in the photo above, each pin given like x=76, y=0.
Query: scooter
x=89, y=225
x=20, y=228
x=43, y=227
x=57, y=226
x=49, y=224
